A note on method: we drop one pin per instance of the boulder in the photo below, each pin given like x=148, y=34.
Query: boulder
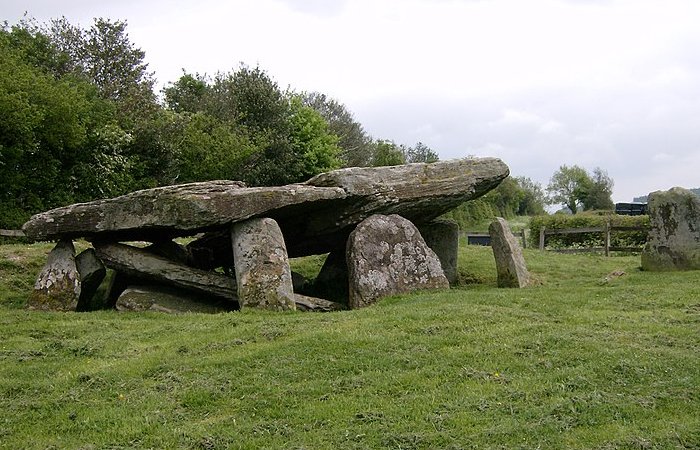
x=442, y=236
x=510, y=264
x=315, y=217
x=163, y=299
x=674, y=237
x=92, y=272
x=57, y=287
x=263, y=276
x=386, y=255
x=139, y=263
x=313, y=304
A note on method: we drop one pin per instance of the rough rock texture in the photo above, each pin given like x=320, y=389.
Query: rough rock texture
x=315, y=217
x=386, y=255
x=157, y=298
x=306, y=303
x=140, y=263
x=674, y=238
x=57, y=287
x=510, y=264
x=442, y=236
x=263, y=276
x=181, y=210
x=92, y=272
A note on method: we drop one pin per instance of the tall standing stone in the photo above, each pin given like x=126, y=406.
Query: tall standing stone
x=57, y=287
x=442, y=236
x=674, y=238
x=386, y=255
x=510, y=264
x=263, y=275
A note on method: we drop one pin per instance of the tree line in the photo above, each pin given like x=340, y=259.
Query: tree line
x=80, y=120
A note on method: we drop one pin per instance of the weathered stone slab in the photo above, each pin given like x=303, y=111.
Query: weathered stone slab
x=139, y=263
x=674, y=237
x=263, y=276
x=306, y=303
x=386, y=255
x=92, y=272
x=510, y=264
x=156, y=214
x=315, y=217
x=57, y=287
x=158, y=298
x=442, y=236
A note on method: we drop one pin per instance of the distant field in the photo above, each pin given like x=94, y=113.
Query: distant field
x=580, y=360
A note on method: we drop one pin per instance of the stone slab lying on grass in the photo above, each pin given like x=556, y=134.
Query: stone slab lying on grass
x=386, y=255
x=57, y=287
x=674, y=237
x=156, y=298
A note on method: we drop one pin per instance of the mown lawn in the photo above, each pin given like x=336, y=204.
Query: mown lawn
x=577, y=361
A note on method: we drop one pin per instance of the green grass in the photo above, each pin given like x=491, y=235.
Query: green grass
x=577, y=361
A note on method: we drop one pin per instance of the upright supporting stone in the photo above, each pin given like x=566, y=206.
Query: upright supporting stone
x=510, y=263
x=442, y=236
x=263, y=275
x=674, y=238
x=57, y=287
x=386, y=255
x=92, y=272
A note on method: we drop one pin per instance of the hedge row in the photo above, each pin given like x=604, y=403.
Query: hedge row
x=588, y=220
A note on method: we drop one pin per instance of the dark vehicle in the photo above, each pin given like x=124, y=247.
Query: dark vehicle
x=631, y=209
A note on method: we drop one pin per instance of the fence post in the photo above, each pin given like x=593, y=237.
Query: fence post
x=606, y=230
x=542, y=238
x=524, y=236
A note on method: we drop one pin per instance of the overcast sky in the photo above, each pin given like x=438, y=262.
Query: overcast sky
x=540, y=83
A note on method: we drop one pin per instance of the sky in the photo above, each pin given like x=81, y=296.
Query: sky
x=613, y=84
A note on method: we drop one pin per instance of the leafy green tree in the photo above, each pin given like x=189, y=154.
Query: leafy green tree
x=356, y=146
x=420, y=153
x=388, y=153
x=599, y=194
x=187, y=94
x=569, y=186
x=532, y=197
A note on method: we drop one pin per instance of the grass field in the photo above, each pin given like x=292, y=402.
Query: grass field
x=580, y=360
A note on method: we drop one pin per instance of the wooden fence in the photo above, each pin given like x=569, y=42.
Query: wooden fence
x=607, y=230
x=12, y=233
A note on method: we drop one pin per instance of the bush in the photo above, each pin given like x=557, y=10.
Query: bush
x=588, y=220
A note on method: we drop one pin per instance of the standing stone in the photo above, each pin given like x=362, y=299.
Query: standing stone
x=57, y=287
x=92, y=272
x=674, y=238
x=510, y=264
x=386, y=255
x=442, y=236
x=263, y=275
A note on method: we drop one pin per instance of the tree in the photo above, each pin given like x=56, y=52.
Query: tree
x=356, y=146
x=599, y=195
x=532, y=197
x=388, y=153
x=569, y=186
x=420, y=153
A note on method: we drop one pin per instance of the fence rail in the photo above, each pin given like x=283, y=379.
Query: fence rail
x=607, y=230
x=12, y=233
x=485, y=238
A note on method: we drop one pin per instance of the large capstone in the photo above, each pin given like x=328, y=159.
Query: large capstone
x=57, y=287
x=510, y=264
x=386, y=255
x=263, y=275
x=315, y=217
x=674, y=237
